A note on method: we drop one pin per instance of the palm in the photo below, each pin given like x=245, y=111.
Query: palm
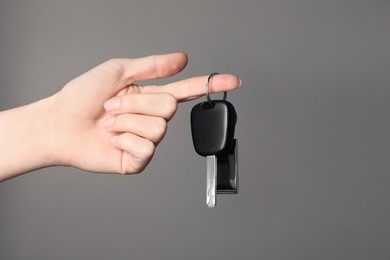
x=83, y=115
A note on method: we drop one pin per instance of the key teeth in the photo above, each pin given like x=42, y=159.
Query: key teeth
x=211, y=181
x=210, y=197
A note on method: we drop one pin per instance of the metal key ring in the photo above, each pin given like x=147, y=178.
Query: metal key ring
x=208, y=89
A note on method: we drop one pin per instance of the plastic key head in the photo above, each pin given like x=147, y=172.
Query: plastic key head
x=212, y=126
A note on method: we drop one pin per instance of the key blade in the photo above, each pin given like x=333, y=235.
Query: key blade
x=211, y=181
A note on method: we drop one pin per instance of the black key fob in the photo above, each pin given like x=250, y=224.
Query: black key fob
x=212, y=126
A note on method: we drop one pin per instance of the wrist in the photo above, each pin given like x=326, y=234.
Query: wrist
x=44, y=130
x=26, y=135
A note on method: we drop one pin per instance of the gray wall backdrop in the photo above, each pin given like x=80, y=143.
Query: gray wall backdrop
x=313, y=128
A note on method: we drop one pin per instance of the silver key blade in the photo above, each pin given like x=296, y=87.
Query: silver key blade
x=211, y=181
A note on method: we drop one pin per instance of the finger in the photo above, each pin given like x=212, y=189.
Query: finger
x=116, y=74
x=153, y=104
x=145, y=68
x=196, y=87
x=149, y=127
x=156, y=66
x=140, y=150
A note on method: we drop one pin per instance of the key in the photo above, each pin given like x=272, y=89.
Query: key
x=213, y=126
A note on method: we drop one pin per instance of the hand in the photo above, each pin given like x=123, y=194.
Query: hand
x=103, y=122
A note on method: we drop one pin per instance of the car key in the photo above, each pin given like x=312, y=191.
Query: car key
x=213, y=126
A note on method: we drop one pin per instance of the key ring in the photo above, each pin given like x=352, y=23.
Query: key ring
x=208, y=89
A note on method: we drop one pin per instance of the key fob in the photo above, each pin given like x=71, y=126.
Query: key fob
x=212, y=125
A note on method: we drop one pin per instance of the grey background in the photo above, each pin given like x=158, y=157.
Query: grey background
x=313, y=130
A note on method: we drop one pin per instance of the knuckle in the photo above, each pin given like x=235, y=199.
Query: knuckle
x=129, y=103
x=160, y=128
x=145, y=154
x=137, y=168
x=115, y=65
x=146, y=151
x=116, y=124
x=170, y=106
x=132, y=169
x=186, y=89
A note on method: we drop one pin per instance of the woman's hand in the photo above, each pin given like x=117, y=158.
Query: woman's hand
x=103, y=122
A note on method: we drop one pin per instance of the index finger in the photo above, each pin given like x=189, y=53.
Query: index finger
x=193, y=88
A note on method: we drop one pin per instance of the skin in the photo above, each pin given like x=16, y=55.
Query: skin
x=101, y=121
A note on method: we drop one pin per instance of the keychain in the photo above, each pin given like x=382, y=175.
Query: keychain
x=212, y=125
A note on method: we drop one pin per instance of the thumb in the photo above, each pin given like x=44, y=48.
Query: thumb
x=115, y=74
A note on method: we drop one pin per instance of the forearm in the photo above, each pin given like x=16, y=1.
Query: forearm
x=26, y=139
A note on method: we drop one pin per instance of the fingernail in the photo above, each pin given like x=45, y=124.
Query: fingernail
x=109, y=122
x=114, y=138
x=112, y=104
x=240, y=82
